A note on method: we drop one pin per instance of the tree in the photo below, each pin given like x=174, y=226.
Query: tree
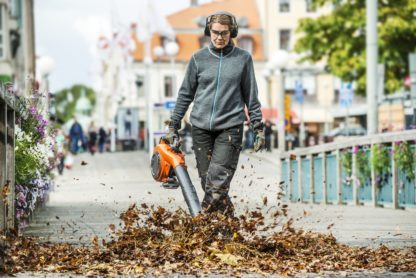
x=339, y=39
x=66, y=99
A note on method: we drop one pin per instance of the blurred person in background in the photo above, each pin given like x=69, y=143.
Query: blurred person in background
x=92, y=138
x=248, y=138
x=128, y=118
x=76, y=135
x=268, y=135
x=60, y=151
x=220, y=82
x=102, y=138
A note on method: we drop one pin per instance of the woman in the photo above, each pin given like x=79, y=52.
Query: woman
x=220, y=81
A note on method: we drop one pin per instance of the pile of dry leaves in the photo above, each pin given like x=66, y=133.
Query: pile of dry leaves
x=155, y=241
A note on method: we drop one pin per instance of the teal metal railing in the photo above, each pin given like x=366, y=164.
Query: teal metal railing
x=7, y=145
x=344, y=172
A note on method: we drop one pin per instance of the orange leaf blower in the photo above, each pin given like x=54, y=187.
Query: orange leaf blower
x=168, y=166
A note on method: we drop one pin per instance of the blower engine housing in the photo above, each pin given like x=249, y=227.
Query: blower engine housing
x=168, y=166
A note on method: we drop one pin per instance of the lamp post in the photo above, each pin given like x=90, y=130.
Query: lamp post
x=172, y=49
x=158, y=51
x=278, y=62
x=267, y=74
x=149, y=109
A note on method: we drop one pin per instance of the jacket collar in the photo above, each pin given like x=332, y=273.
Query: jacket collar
x=227, y=49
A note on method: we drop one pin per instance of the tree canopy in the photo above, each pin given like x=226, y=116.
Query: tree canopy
x=339, y=38
x=66, y=99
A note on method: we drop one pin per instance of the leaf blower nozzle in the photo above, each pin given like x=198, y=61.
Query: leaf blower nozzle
x=168, y=166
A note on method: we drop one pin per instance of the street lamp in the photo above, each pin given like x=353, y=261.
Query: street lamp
x=172, y=49
x=149, y=109
x=278, y=62
x=158, y=51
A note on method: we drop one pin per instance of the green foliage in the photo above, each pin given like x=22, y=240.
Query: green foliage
x=339, y=39
x=5, y=78
x=65, y=109
x=380, y=159
x=27, y=162
x=346, y=161
x=404, y=156
x=363, y=165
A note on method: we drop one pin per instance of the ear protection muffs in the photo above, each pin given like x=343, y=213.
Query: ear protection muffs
x=233, y=31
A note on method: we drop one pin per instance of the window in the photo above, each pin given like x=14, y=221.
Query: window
x=140, y=85
x=310, y=8
x=204, y=41
x=168, y=86
x=16, y=11
x=2, y=16
x=284, y=6
x=284, y=39
x=246, y=43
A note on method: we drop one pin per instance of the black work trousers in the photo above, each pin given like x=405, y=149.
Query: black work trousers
x=217, y=154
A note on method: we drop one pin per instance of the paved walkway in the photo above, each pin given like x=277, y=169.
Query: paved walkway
x=90, y=197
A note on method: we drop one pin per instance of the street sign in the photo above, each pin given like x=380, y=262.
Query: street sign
x=170, y=104
x=346, y=94
x=299, y=91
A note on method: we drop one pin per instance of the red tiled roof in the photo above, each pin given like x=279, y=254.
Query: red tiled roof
x=188, y=33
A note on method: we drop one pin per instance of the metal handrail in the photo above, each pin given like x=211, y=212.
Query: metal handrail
x=389, y=137
x=7, y=160
x=306, y=174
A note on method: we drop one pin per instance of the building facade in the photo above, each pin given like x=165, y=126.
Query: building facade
x=17, y=46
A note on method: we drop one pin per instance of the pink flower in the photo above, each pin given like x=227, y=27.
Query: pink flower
x=355, y=149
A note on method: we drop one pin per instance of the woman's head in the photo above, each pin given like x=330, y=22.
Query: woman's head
x=220, y=28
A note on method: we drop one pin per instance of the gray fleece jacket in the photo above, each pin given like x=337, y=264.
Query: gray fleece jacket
x=221, y=83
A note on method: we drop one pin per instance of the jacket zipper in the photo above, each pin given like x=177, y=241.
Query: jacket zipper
x=216, y=92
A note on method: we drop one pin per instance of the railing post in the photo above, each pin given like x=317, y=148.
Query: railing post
x=373, y=178
x=395, y=180
x=10, y=167
x=289, y=179
x=355, y=180
x=324, y=181
x=312, y=182
x=300, y=188
x=338, y=176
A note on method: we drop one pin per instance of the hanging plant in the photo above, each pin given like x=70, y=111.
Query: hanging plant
x=404, y=156
x=381, y=162
x=362, y=164
x=346, y=163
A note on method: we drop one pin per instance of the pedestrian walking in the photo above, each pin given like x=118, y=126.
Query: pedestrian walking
x=248, y=139
x=268, y=135
x=60, y=151
x=76, y=135
x=102, y=138
x=128, y=118
x=220, y=82
x=92, y=138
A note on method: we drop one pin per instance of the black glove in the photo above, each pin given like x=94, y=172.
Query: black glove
x=172, y=135
x=259, y=138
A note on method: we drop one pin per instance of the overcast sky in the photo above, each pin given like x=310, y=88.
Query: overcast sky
x=67, y=31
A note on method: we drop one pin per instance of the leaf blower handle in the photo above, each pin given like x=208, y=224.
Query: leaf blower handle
x=188, y=190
